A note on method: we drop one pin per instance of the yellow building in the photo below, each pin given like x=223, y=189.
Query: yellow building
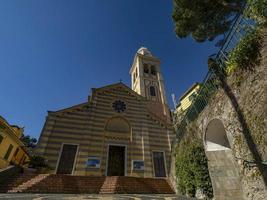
x=12, y=150
x=185, y=102
x=187, y=98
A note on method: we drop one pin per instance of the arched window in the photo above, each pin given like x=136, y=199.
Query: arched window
x=134, y=77
x=136, y=72
x=152, y=91
x=146, y=69
x=153, y=70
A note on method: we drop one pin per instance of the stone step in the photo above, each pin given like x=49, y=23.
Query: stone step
x=28, y=184
x=16, y=181
x=54, y=183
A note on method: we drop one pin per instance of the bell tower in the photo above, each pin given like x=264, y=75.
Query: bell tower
x=147, y=79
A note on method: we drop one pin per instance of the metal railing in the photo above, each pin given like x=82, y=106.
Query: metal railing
x=211, y=83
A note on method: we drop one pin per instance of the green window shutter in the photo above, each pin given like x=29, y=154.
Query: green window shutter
x=8, y=151
x=16, y=152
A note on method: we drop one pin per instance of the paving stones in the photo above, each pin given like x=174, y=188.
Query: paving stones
x=91, y=197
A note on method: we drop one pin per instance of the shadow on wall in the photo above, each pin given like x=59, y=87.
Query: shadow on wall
x=241, y=118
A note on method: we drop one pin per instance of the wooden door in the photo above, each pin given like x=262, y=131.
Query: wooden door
x=116, y=161
x=67, y=159
x=159, y=164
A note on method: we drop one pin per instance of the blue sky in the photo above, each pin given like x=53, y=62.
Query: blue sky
x=53, y=52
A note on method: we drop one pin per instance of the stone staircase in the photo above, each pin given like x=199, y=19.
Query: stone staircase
x=109, y=185
x=133, y=185
x=27, y=184
x=55, y=183
x=15, y=181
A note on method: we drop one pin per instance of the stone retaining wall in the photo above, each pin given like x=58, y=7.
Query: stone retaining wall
x=251, y=96
x=244, y=117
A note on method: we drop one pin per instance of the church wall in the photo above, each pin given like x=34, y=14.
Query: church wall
x=55, y=136
x=85, y=125
x=135, y=115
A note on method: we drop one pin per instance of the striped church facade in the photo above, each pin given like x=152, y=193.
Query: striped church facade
x=116, y=129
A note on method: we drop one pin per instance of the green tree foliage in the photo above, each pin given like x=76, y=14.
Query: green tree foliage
x=204, y=19
x=37, y=162
x=192, y=169
x=257, y=10
x=246, y=54
x=28, y=141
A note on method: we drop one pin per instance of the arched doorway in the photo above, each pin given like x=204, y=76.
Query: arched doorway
x=221, y=162
x=117, y=129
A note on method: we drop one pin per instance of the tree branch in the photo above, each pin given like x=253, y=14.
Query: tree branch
x=234, y=7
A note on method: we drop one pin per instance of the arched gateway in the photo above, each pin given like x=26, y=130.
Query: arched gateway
x=222, y=165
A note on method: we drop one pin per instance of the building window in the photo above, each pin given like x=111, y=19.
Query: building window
x=146, y=69
x=119, y=106
x=16, y=152
x=134, y=76
x=1, y=139
x=152, y=91
x=153, y=70
x=8, y=151
x=22, y=159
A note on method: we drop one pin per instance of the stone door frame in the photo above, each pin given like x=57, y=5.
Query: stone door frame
x=164, y=162
x=60, y=152
x=125, y=157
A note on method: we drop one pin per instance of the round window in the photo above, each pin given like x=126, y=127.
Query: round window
x=119, y=106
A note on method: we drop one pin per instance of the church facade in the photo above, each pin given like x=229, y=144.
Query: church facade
x=119, y=131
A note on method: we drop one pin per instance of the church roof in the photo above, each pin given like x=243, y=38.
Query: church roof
x=118, y=84
x=98, y=89
x=68, y=108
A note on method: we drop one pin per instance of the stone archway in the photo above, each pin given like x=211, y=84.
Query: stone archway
x=216, y=138
x=118, y=124
x=222, y=165
x=117, y=137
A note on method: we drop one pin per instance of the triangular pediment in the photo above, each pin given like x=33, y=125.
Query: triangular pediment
x=70, y=109
x=118, y=87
